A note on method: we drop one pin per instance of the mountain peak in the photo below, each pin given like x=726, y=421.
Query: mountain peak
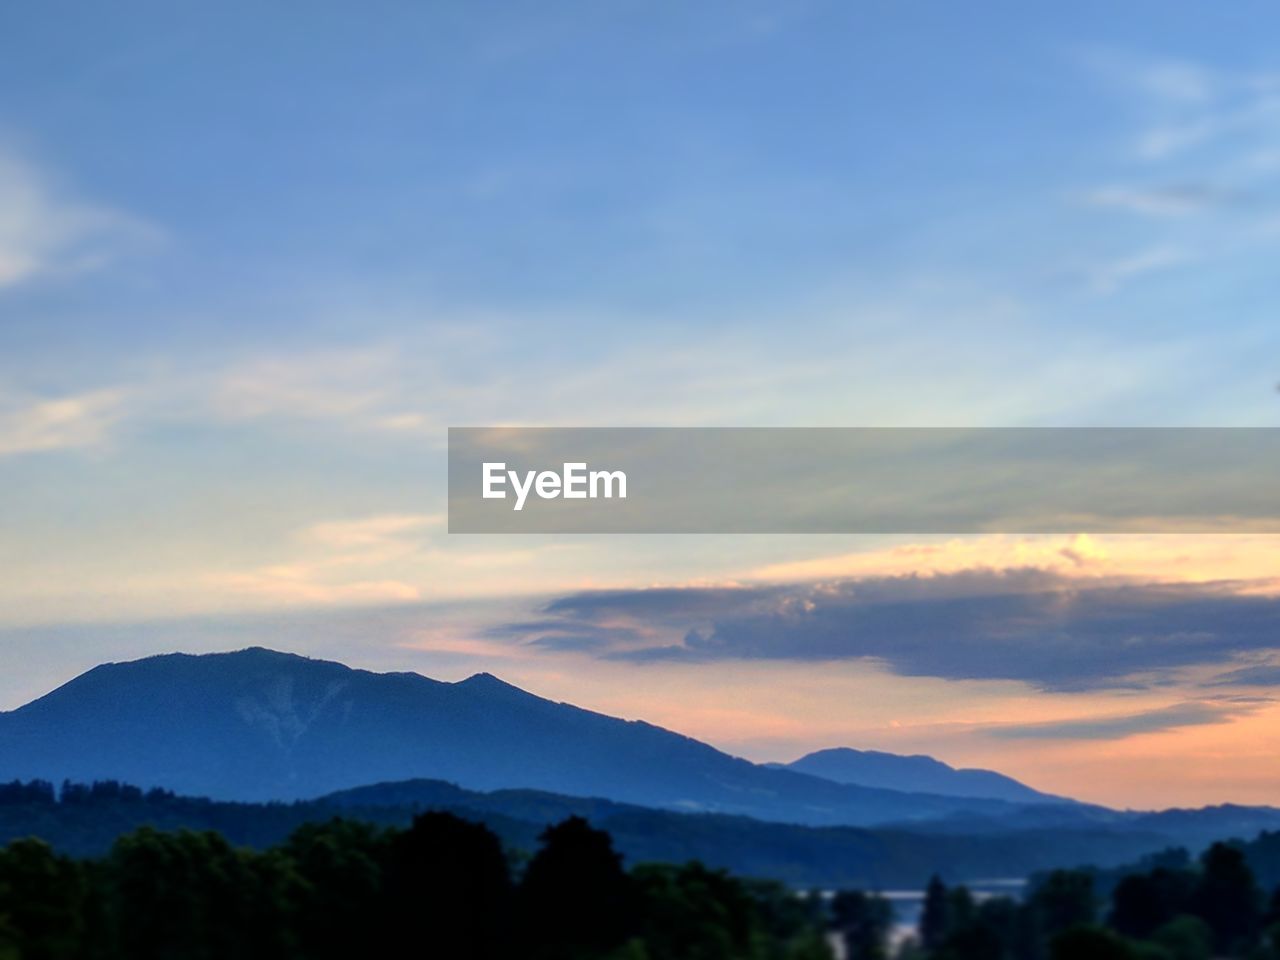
x=262, y=653
x=246, y=655
x=873, y=768
x=488, y=683
x=854, y=752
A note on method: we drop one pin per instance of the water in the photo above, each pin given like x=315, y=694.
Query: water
x=909, y=904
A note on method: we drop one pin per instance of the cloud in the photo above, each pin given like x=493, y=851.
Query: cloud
x=1131, y=557
x=347, y=561
x=371, y=532
x=1109, y=277
x=76, y=420
x=1245, y=119
x=296, y=584
x=44, y=230
x=325, y=384
x=1167, y=81
x=1171, y=200
x=1036, y=626
x=509, y=371
x=1177, y=81
x=1188, y=105
x=1259, y=675
x=1189, y=714
x=1204, y=135
x=569, y=636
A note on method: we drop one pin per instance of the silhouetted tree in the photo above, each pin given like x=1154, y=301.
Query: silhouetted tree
x=1092, y=943
x=1269, y=949
x=1185, y=938
x=32, y=792
x=785, y=917
x=340, y=867
x=996, y=929
x=192, y=895
x=1227, y=897
x=448, y=885
x=961, y=909
x=863, y=921
x=440, y=889
x=691, y=911
x=934, y=917
x=575, y=897
x=1142, y=902
x=8, y=940
x=1064, y=900
x=42, y=901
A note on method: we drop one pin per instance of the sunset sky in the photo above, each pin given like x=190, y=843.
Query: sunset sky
x=255, y=259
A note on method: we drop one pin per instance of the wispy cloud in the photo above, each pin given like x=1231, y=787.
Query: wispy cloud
x=1170, y=200
x=346, y=562
x=318, y=384
x=1248, y=117
x=46, y=230
x=1177, y=81
x=1188, y=104
x=59, y=423
x=372, y=534
x=1199, y=140
x=1175, y=716
x=1110, y=276
x=1257, y=675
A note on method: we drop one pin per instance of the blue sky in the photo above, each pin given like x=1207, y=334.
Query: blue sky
x=255, y=258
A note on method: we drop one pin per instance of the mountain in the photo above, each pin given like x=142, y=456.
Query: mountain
x=261, y=725
x=86, y=821
x=916, y=774
x=1200, y=827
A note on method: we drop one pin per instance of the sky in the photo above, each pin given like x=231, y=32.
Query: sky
x=255, y=259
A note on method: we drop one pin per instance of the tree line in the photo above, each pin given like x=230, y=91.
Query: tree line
x=1173, y=909
x=448, y=887
x=442, y=888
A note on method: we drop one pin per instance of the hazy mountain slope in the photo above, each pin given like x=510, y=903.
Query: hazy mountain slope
x=921, y=774
x=1202, y=826
x=804, y=856
x=260, y=725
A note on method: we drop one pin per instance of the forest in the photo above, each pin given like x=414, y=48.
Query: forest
x=448, y=887
x=85, y=819
x=444, y=887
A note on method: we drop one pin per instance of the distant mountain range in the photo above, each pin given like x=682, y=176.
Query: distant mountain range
x=885, y=858
x=260, y=725
x=257, y=725
x=87, y=822
x=915, y=774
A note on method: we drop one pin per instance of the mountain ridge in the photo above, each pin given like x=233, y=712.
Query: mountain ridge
x=87, y=819
x=916, y=772
x=259, y=724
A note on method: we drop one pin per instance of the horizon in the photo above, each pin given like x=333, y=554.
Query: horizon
x=253, y=265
